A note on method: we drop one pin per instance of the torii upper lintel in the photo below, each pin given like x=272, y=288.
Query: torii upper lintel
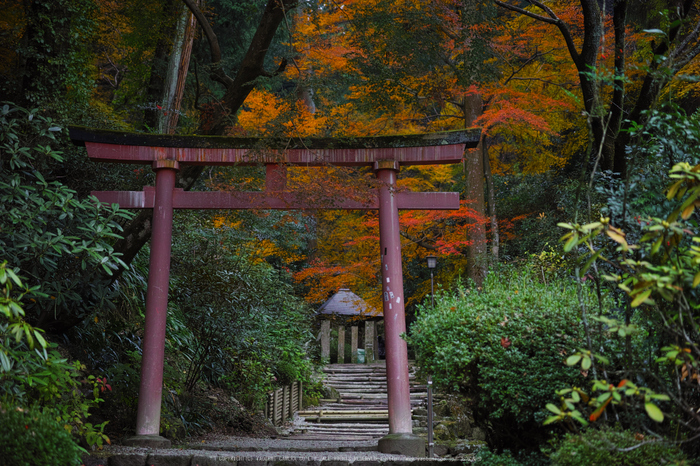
x=413, y=149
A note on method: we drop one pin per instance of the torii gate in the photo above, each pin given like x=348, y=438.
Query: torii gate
x=165, y=153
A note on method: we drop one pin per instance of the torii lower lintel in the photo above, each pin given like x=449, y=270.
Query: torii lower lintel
x=270, y=200
x=385, y=155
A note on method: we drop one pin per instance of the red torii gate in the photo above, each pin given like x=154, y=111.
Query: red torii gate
x=165, y=153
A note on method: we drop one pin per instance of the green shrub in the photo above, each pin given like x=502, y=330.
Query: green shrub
x=486, y=457
x=313, y=392
x=62, y=244
x=249, y=332
x=33, y=372
x=503, y=347
x=31, y=438
x=614, y=447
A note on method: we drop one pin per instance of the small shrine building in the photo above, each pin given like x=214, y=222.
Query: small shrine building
x=344, y=309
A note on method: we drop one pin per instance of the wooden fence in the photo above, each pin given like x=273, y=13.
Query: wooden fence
x=283, y=403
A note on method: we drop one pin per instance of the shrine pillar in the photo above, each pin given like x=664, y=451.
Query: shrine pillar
x=400, y=439
x=151, y=388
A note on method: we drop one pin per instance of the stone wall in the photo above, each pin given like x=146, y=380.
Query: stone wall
x=454, y=433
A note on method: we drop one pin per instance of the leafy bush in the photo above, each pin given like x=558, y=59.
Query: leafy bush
x=29, y=374
x=614, y=447
x=659, y=277
x=503, y=347
x=32, y=438
x=647, y=246
x=486, y=457
x=62, y=244
x=247, y=329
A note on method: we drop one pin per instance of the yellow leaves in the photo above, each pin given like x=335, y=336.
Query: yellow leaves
x=261, y=109
x=265, y=113
x=429, y=178
x=641, y=298
x=682, y=88
x=305, y=124
x=618, y=236
x=220, y=221
x=266, y=248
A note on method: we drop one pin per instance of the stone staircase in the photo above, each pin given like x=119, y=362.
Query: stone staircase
x=360, y=411
x=343, y=431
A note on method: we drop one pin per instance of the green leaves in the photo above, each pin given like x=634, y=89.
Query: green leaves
x=573, y=359
x=586, y=358
x=567, y=411
x=615, y=326
x=654, y=412
x=464, y=341
x=625, y=393
x=676, y=355
x=63, y=243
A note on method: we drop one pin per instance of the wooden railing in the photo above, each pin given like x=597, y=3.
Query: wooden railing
x=283, y=403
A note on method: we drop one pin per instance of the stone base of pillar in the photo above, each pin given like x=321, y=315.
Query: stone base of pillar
x=148, y=441
x=403, y=444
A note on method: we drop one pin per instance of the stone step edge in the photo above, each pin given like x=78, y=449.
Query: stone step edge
x=165, y=459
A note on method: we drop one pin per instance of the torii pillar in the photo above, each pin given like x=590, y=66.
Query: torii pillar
x=166, y=153
x=400, y=439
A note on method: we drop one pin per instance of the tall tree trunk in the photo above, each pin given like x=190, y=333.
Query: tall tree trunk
x=138, y=232
x=178, y=66
x=488, y=177
x=156, y=80
x=473, y=166
x=304, y=92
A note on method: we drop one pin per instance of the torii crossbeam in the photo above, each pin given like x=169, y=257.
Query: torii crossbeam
x=165, y=153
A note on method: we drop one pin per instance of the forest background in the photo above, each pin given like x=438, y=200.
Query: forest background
x=584, y=106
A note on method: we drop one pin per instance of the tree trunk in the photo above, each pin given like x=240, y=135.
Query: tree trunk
x=178, y=66
x=488, y=177
x=138, y=232
x=610, y=119
x=252, y=65
x=156, y=81
x=473, y=166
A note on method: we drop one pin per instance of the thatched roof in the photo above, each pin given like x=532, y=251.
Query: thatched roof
x=346, y=303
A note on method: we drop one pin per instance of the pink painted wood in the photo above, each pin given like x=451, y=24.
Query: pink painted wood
x=398, y=389
x=272, y=201
x=151, y=385
x=429, y=155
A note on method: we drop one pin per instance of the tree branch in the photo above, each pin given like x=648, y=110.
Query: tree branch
x=138, y=231
x=523, y=11
x=418, y=241
x=252, y=65
x=217, y=72
x=563, y=85
x=692, y=37
x=553, y=19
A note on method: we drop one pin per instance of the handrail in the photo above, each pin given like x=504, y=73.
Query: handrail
x=282, y=403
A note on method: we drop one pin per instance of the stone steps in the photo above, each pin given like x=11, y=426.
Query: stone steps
x=337, y=457
x=360, y=411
